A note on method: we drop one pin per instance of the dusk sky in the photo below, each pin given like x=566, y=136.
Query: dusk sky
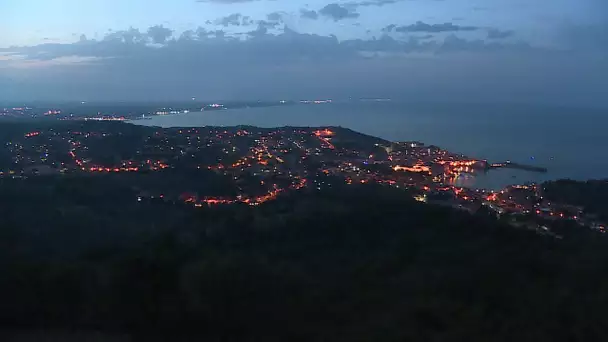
x=542, y=51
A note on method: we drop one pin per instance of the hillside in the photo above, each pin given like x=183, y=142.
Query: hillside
x=322, y=266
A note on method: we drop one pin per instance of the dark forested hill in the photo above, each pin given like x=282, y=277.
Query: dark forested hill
x=356, y=264
x=590, y=194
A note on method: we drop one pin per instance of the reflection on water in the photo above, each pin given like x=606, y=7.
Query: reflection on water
x=463, y=180
x=496, y=179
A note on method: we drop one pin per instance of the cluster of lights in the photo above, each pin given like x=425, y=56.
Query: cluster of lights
x=32, y=134
x=108, y=169
x=261, y=154
x=106, y=118
x=416, y=168
x=324, y=136
x=269, y=196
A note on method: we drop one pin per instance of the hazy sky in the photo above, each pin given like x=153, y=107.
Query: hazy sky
x=549, y=51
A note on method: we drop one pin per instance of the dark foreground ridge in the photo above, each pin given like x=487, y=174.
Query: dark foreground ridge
x=352, y=264
x=84, y=255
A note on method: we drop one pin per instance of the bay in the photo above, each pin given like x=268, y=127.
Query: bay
x=570, y=142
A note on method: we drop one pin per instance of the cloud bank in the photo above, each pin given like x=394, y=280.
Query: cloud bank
x=270, y=60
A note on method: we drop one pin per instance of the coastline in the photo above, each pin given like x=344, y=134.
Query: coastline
x=267, y=118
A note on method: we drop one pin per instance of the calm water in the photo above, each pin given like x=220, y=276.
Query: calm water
x=571, y=143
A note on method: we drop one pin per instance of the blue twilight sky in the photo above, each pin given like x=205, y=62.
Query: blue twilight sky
x=465, y=50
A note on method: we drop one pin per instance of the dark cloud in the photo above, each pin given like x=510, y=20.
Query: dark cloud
x=187, y=35
x=420, y=26
x=204, y=34
x=246, y=20
x=130, y=36
x=499, y=34
x=201, y=34
x=309, y=14
x=262, y=29
x=268, y=24
x=159, y=34
x=234, y=19
x=275, y=16
x=389, y=28
x=215, y=46
x=273, y=20
x=274, y=63
x=338, y=12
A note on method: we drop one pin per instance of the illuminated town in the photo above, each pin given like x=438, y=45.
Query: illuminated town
x=210, y=166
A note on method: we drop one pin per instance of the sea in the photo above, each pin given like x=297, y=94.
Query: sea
x=572, y=143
